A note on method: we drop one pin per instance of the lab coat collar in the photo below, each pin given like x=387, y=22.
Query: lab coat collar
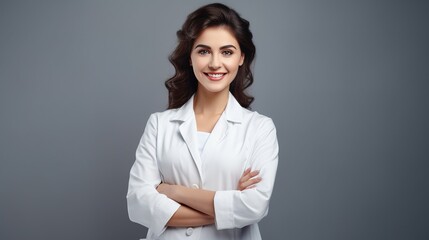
x=188, y=128
x=233, y=111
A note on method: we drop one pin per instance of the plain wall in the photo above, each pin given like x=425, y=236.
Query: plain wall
x=346, y=83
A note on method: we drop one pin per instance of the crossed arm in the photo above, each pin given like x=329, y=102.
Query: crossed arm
x=197, y=205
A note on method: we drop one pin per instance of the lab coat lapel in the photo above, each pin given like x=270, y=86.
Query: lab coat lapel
x=219, y=132
x=188, y=127
x=231, y=115
x=188, y=131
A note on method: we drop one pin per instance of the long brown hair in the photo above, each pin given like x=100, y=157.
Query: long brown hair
x=184, y=83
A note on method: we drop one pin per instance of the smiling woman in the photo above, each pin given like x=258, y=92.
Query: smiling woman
x=215, y=16
x=206, y=166
x=215, y=59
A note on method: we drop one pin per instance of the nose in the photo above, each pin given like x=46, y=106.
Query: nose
x=214, y=62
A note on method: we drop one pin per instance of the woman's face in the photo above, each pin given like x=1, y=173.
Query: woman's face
x=215, y=58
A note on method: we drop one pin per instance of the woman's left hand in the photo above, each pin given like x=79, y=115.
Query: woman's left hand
x=248, y=180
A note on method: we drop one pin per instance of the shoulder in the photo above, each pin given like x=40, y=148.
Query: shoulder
x=163, y=116
x=260, y=129
x=257, y=120
x=165, y=113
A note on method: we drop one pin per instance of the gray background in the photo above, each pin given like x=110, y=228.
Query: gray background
x=346, y=83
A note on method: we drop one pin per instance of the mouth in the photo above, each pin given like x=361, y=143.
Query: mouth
x=215, y=76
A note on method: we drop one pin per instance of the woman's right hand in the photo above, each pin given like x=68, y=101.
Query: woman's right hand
x=248, y=179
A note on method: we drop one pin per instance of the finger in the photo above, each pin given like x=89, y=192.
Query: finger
x=251, y=186
x=249, y=176
x=254, y=173
x=249, y=183
x=247, y=171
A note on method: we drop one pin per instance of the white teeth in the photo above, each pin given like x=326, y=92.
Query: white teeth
x=215, y=75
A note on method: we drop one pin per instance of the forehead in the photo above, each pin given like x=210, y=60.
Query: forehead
x=216, y=37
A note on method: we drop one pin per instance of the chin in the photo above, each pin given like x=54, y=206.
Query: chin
x=213, y=89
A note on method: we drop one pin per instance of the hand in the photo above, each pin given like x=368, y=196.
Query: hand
x=248, y=179
x=167, y=189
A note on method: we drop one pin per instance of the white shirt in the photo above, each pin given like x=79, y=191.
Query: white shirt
x=202, y=139
x=168, y=152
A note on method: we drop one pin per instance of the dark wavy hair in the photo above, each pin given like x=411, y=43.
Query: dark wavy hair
x=184, y=83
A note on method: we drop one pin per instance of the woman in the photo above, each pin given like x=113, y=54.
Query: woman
x=205, y=168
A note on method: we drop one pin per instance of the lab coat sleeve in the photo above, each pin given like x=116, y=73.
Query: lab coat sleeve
x=236, y=209
x=146, y=205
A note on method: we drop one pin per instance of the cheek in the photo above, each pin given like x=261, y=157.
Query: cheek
x=199, y=63
x=232, y=64
x=198, y=66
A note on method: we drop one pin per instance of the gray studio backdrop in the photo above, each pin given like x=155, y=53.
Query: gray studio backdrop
x=346, y=83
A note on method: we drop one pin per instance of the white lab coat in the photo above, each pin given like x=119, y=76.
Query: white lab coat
x=168, y=152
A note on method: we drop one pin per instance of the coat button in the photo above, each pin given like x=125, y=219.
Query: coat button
x=189, y=231
x=195, y=186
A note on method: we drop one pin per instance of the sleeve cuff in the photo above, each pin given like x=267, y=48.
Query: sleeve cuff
x=167, y=207
x=223, y=205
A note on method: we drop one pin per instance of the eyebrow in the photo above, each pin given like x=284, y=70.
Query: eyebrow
x=223, y=47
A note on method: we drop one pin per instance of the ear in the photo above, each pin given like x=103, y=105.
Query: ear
x=241, y=60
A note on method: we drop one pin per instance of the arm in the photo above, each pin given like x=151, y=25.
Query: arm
x=203, y=200
x=149, y=207
x=236, y=209
x=188, y=217
x=198, y=199
x=146, y=205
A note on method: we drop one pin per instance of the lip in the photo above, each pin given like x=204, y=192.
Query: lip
x=215, y=76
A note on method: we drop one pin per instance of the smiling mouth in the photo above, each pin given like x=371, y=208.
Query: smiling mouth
x=215, y=76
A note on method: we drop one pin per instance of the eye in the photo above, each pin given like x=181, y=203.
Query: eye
x=203, y=52
x=227, y=52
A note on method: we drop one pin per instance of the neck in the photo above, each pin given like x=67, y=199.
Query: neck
x=210, y=103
